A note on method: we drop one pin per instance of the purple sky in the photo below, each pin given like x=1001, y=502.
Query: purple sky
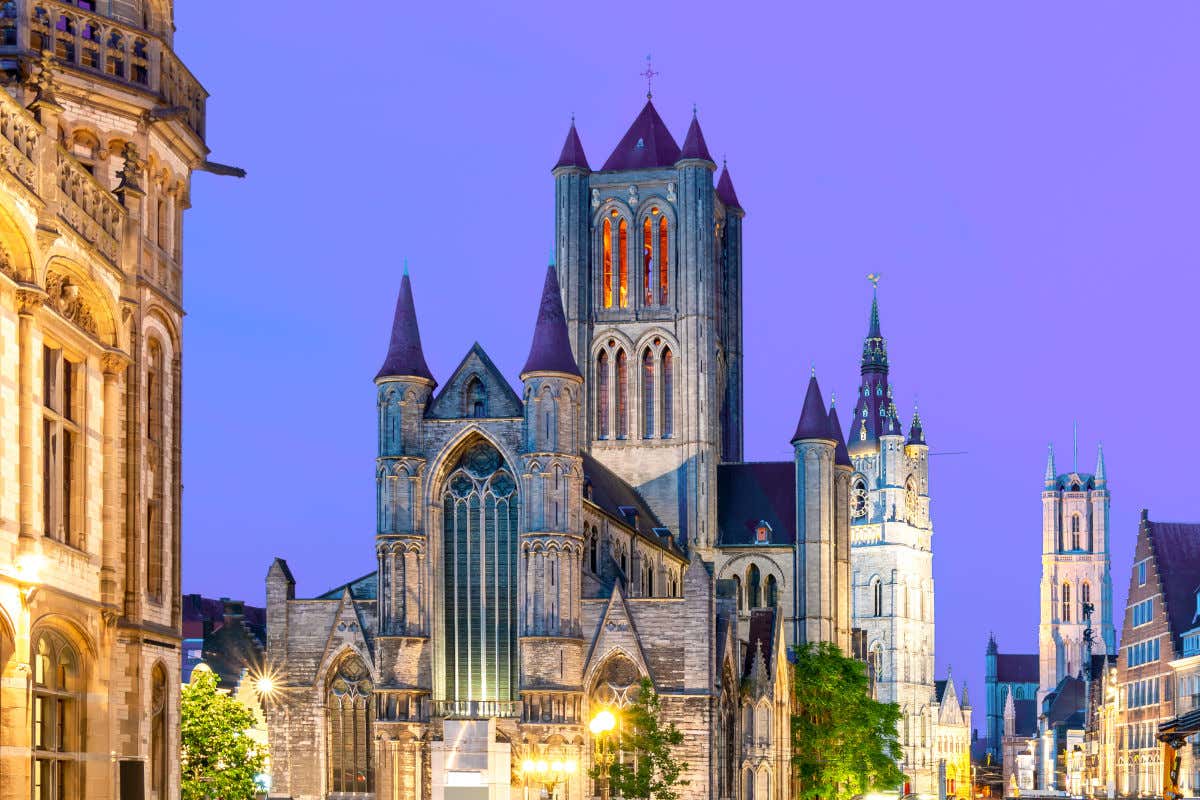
x=1024, y=177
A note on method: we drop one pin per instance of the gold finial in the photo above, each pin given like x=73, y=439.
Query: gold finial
x=874, y=277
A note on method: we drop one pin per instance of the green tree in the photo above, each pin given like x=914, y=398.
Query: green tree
x=218, y=760
x=649, y=770
x=843, y=741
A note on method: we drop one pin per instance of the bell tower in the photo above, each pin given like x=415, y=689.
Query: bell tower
x=649, y=254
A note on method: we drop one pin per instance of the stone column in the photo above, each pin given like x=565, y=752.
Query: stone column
x=113, y=364
x=29, y=298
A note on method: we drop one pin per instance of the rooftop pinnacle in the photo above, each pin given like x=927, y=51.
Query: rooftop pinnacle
x=405, y=359
x=550, y=350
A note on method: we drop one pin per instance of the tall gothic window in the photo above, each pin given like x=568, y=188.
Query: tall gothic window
x=158, y=733
x=648, y=262
x=622, y=395
x=606, y=260
x=623, y=264
x=476, y=398
x=772, y=592
x=668, y=394
x=62, y=409
x=1066, y=602
x=348, y=716
x=156, y=461
x=57, y=731
x=1085, y=595
x=664, y=281
x=648, y=393
x=602, y=387
x=479, y=516
x=1075, y=542
x=593, y=551
x=754, y=587
x=877, y=597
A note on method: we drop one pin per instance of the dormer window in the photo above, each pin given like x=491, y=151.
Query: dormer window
x=640, y=143
x=762, y=532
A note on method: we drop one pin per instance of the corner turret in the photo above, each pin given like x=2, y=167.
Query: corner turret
x=816, y=565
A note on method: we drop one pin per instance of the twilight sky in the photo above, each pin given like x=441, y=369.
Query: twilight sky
x=1025, y=178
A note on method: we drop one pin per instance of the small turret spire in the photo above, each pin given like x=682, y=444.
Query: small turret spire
x=814, y=419
x=1051, y=472
x=841, y=455
x=572, y=150
x=550, y=350
x=874, y=356
x=725, y=188
x=405, y=358
x=693, y=144
x=1101, y=473
x=916, y=433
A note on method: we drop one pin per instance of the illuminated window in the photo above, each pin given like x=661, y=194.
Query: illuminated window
x=668, y=394
x=623, y=264
x=57, y=732
x=664, y=284
x=602, y=384
x=648, y=262
x=622, y=395
x=348, y=717
x=772, y=592
x=647, y=393
x=1066, y=602
x=606, y=260
x=762, y=533
x=62, y=446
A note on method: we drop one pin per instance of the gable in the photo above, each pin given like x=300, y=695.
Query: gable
x=476, y=380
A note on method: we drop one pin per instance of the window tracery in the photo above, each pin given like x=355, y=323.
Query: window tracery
x=57, y=736
x=348, y=716
x=647, y=393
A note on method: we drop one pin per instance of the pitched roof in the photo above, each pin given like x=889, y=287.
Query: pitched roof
x=762, y=634
x=612, y=494
x=404, y=356
x=572, y=151
x=814, y=419
x=752, y=492
x=841, y=456
x=1177, y=560
x=725, y=189
x=693, y=144
x=1026, y=717
x=646, y=145
x=1017, y=668
x=364, y=588
x=550, y=350
x=1066, y=703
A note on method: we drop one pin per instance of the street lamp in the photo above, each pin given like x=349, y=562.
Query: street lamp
x=549, y=774
x=601, y=726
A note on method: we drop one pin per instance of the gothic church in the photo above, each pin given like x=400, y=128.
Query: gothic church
x=542, y=551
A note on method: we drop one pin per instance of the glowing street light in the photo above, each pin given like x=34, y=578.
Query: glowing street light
x=602, y=725
x=549, y=774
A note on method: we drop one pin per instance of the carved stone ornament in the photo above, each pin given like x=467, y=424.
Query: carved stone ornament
x=64, y=297
x=43, y=85
x=131, y=171
x=6, y=263
x=633, y=195
x=114, y=362
x=595, y=198
x=29, y=299
x=671, y=192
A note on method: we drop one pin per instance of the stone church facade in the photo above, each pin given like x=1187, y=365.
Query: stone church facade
x=101, y=126
x=542, y=551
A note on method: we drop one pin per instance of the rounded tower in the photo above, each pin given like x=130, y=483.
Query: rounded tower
x=815, y=447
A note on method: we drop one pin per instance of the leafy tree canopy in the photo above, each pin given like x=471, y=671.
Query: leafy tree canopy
x=218, y=759
x=844, y=742
x=648, y=770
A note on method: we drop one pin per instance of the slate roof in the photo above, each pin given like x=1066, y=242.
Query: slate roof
x=1177, y=559
x=1026, y=717
x=694, y=145
x=646, y=145
x=1017, y=668
x=841, y=456
x=231, y=650
x=750, y=492
x=725, y=189
x=404, y=356
x=611, y=493
x=364, y=588
x=233, y=635
x=762, y=633
x=572, y=151
x=814, y=419
x=1066, y=703
x=939, y=690
x=550, y=350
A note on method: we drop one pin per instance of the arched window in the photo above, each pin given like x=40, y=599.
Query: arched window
x=753, y=587
x=664, y=281
x=648, y=262
x=57, y=718
x=668, y=394
x=622, y=395
x=606, y=271
x=476, y=398
x=593, y=550
x=737, y=585
x=156, y=459
x=549, y=409
x=1066, y=602
x=762, y=723
x=158, y=733
x=647, y=392
x=772, y=592
x=1075, y=543
x=348, y=716
x=877, y=597
x=164, y=223
x=623, y=264
x=749, y=794
x=602, y=384
x=1085, y=596
x=479, y=562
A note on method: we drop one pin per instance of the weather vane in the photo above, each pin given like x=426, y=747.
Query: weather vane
x=874, y=277
x=649, y=75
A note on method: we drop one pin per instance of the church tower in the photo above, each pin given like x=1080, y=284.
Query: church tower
x=1075, y=571
x=649, y=254
x=892, y=555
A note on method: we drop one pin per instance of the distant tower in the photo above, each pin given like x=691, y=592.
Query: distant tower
x=649, y=254
x=1075, y=571
x=816, y=567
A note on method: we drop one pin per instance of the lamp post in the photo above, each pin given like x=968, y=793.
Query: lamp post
x=601, y=726
x=548, y=773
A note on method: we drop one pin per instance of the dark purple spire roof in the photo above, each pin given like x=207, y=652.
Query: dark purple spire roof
x=841, y=456
x=814, y=419
x=916, y=433
x=646, y=145
x=725, y=189
x=405, y=359
x=550, y=350
x=693, y=143
x=572, y=151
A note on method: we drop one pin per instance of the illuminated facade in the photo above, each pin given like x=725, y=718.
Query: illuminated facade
x=98, y=138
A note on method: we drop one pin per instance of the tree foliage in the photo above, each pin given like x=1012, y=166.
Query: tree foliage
x=649, y=770
x=843, y=741
x=218, y=760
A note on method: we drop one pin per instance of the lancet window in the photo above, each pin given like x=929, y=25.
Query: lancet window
x=62, y=446
x=158, y=733
x=668, y=394
x=623, y=264
x=155, y=457
x=57, y=735
x=877, y=597
x=348, y=716
x=1066, y=602
x=606, y=257
x=622, y=405
x=647, y=393
x=603, y=381
x=754, y=587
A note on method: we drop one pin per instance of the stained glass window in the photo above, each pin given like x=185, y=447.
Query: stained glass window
x=663, y=262
x=602, y=384
x=623, y=264
x=622, y=395
x=647, y=393
x=606, y=259
x=348, y=716
x=668, y=394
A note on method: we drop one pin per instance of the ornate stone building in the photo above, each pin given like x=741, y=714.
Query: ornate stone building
x=540, y=551
x=98, y=139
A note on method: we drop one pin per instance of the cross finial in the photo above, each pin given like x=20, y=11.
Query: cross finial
x=694, y=110
x=833, y=400
x=649, y=75
x=406, y=265
x=813, y=365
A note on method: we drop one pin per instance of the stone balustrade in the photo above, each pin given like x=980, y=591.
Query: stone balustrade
x=91, y=210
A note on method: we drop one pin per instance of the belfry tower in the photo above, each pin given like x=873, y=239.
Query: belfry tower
x=649, y=255
x=1075, y=571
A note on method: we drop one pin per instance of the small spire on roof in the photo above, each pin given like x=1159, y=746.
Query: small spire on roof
x=725, y=188
x=694, y=145
x=572, y=150
x=1101, y=473
x=1051, y=472
x=405, y=265
x=550, y=350
x=405, y=358
x=814, y=419
x=649, y=74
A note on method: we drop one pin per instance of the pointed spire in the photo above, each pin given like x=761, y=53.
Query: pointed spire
x=841, y=456
x=572, y=150
x=1075, y=446
x=1051, y=472
x=725, y=188
x=814, y=419
x=916, y=433
x=405, y=359
x=1101, y=473
x=550, y=350
x=992, y=647
x=646, y=145
x=693, y=143
x=966, y=700
x=874, y=355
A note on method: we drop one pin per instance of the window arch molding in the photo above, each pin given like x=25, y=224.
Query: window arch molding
x=93, y=300
x=604, y=396
x=347, y=683
x=15, y=244
x=61, y=659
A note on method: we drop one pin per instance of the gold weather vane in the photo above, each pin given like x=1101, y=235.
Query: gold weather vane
x=874, y=277
x=649, y=75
